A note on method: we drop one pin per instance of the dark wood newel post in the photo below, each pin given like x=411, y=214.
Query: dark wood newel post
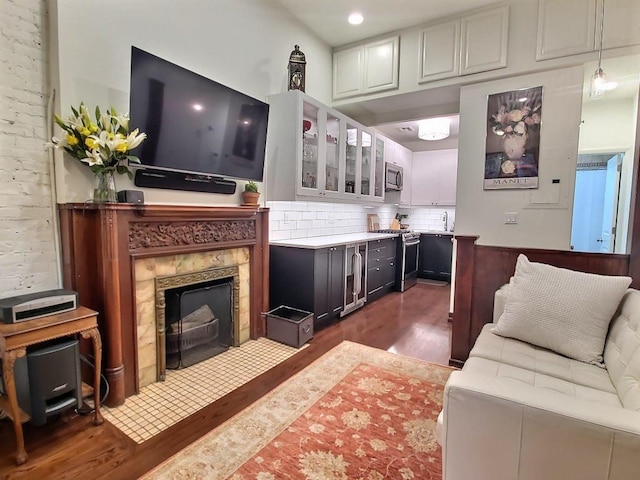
x=462, y=297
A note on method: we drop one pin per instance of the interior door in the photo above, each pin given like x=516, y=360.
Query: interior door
x=609, y=214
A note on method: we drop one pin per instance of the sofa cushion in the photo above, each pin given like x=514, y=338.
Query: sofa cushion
x=520, y=376
x=622, y=351
x=563, y=310
x=539, y=360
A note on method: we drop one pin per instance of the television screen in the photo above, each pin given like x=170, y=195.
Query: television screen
x=194, y=124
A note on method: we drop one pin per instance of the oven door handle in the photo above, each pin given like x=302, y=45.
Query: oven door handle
x=411, y=242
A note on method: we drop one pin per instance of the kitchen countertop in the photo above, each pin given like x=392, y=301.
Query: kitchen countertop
x=331, y=240
x=435, y=232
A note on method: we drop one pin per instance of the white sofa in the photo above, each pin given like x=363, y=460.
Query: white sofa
x=520, y=412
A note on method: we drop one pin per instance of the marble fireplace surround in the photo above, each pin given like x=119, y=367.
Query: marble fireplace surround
x=104, y=248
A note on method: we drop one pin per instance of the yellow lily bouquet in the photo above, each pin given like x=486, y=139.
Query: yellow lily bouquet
x=103, y=144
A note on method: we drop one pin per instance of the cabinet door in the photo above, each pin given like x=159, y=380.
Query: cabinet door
x=378, y=169
x=333, y=161
x=439, y=51
x=404, y=158
x=351, y=142
x=336, y=281
x=434, y=177
x=621, y=23
x=443, y=254
x=484, y=41
x=347, y=72
x=322, y=286
x=381, y=65
x=310, y=159
x=448, y=177
x=366, y=163
x=565, y=27
x=428, y=262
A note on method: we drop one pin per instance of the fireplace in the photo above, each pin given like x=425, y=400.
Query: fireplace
x=113, y=253
x=158, y=280
x=197, y=316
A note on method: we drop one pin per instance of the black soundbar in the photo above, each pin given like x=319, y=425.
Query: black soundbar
x=183, y=181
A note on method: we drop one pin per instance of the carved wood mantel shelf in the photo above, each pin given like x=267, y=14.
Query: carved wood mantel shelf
x=101, y=242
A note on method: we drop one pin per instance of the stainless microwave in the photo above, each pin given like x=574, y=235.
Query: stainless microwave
x=392, y=177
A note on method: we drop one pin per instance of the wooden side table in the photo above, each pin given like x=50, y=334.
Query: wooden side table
x=14, y=340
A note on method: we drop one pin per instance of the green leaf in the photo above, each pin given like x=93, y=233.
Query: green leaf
x=133, y=159
x=98, y=113
x=75, y=112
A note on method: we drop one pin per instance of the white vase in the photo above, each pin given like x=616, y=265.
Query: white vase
x=513, y=145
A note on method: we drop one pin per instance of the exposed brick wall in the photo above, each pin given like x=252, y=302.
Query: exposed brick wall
x=28, y=260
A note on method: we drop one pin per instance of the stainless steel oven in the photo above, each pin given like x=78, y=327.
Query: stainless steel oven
x=408, y=251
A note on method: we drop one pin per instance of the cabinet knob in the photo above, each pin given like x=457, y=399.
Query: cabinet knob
x=377, y=269
x=391, y=264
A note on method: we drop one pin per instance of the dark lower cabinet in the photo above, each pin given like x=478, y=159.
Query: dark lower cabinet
x=381, y=267
x=308, y=279
x=434, y=260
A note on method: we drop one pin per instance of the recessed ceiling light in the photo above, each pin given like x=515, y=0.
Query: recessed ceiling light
x=356, y=18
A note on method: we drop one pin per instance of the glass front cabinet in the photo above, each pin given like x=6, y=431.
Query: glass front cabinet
x=314, y=151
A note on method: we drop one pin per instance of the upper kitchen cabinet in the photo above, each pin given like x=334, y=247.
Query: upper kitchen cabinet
x=484, y=38
x=314, y=152
x=570, y=27
x=565, y=27
x=440, y=51
x=367, y=68
x=433, y=178
x=470, y=44
x=621, y=23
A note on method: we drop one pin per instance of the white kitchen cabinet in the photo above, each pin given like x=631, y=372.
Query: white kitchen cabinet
x=439, y=51
x=621, y=23
x=565, y=27
x=433, y=178
x=367, y=68
x=401, y=156
x=571, y=27
x=484, y=41
x=347, y=74
x=317, y=153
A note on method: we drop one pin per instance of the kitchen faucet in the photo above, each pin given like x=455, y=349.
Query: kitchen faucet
x=445, y=219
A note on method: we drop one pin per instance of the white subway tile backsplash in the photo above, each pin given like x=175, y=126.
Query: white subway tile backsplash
x=312, y=219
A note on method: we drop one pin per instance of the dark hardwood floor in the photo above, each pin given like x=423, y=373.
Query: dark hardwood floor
x=413, y=323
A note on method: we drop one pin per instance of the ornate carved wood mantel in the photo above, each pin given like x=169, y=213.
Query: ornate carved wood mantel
x=101, y=242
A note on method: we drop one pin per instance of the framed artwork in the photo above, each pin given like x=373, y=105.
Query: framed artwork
x=513, y=139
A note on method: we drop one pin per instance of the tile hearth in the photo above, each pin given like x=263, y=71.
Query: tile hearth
x=185, y=391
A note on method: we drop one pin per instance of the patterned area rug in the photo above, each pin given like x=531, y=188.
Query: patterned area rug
x=355, y=413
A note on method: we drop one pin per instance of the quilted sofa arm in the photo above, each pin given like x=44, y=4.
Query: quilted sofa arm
x=499, y=429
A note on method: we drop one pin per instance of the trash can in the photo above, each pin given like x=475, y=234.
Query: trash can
x=290, y=326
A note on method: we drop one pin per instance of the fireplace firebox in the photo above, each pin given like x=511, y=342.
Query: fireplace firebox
x=199, y=322
x=196, y=316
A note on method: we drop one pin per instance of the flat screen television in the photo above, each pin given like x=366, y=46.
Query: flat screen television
x=194, y=124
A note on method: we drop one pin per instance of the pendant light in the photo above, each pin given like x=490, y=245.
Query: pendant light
x=598, y=80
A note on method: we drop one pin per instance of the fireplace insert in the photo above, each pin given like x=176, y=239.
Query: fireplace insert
x=199, y=322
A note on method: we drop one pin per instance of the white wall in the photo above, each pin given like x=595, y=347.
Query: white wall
x=544, y=214
x=27, y=240
x=244, y=44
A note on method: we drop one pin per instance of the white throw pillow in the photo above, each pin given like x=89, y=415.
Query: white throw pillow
x=562, y=310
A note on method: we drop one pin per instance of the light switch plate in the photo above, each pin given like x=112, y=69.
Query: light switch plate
x=511, y=218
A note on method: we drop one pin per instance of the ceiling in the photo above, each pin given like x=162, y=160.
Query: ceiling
x=328, y=18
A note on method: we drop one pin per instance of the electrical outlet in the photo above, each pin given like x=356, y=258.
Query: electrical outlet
x=511, y=218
